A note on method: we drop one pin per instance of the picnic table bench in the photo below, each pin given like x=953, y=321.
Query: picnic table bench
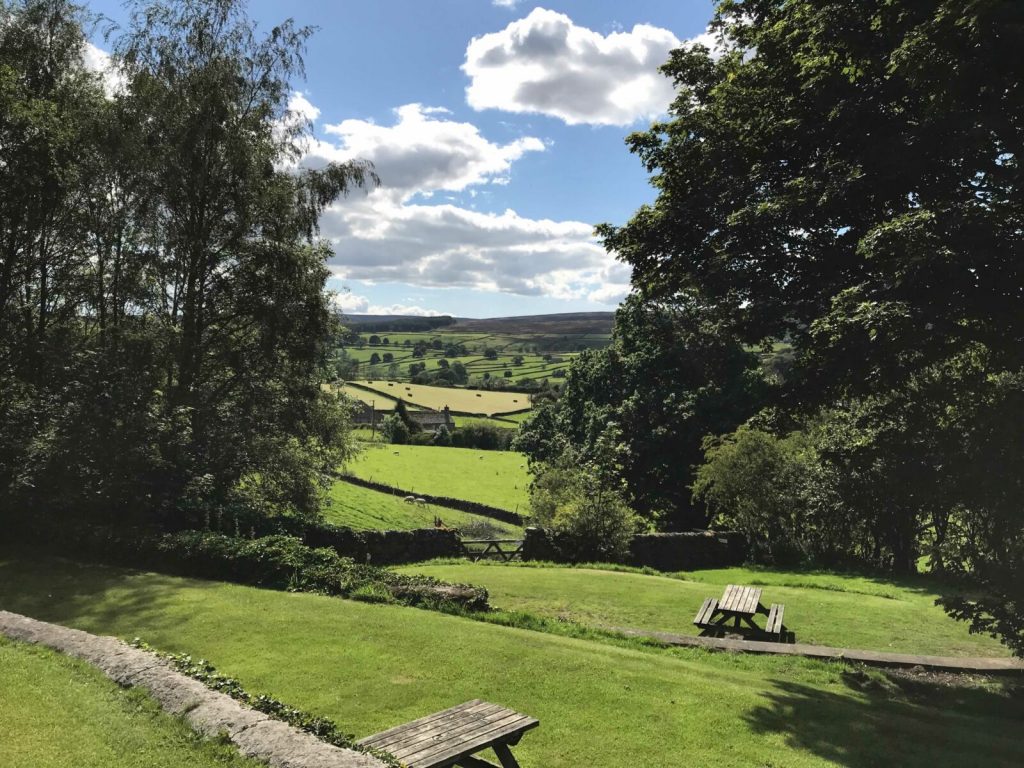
x=740, y=604
x=451, y=737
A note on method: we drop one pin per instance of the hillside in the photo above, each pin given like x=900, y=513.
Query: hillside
x=565, y=323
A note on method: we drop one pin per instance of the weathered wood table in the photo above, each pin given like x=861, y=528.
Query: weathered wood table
x=740, y=604
x=451, y=737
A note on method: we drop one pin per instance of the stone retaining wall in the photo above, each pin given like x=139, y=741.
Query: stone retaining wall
x=663, y=551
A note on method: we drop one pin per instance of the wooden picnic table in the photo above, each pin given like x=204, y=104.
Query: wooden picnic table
x=451, y=737
x=740, y=604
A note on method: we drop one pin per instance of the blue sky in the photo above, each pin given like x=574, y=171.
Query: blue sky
x=497, y=129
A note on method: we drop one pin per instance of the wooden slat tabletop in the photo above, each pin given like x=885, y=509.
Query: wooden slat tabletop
x=737, y=599
x=443, y=737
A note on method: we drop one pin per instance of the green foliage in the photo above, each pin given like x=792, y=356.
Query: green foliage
x=273, y=562
x=667, y=381
x=753, y=482
x=163, y=325
x=394, y=429
x=484, y=437
x=584, y=508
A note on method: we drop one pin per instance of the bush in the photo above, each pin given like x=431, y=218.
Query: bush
x=274, y=562
x=482, y=437
x=588, y=516
x=755, y=483
x=394, y=430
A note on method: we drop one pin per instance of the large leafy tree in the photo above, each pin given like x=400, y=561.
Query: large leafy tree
x=163, y=324
x=847, y=176
x=850, y=164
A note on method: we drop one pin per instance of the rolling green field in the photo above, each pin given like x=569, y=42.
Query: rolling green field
x=824, y=609
x=369, y=667
x=496, y=478
x=484, y=402
x=365, y=509
x=57, y=712
x=521, y=354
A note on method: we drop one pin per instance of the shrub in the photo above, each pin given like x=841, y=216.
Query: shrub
x=274, y=562
x=588, y=515
x=482, y=437
x=394, y=430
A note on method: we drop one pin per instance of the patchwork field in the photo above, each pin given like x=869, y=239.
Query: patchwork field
x=57, y=712
x=825, y=609
x=483, y=402
x=369, y=667
x=365, y=509
x=496, y=478
x=515, y=356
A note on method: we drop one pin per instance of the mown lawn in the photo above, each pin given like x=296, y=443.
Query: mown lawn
x=600, y=705
x=826, y=609
x=496, y=478
x=57, y=712
x=365, y=509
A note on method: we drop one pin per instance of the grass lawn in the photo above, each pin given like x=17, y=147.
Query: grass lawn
x=826, y=609
x=365, y=509
x=369, y=667
x=58, y=712
x=486, y=402
x=496, y=478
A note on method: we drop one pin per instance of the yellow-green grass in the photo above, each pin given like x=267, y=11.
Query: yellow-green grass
x=57, y=712
x=369, y=667
x=824, y=609
x=487, y=403
x=380, y=400
x=366, y=509
x=496, y=478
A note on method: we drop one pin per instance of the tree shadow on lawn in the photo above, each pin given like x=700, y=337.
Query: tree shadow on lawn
x=889, y=720
x=941, y=586
x=87, y=595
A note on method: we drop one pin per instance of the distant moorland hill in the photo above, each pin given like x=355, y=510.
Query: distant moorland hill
x=564, y=323
x=568, y=322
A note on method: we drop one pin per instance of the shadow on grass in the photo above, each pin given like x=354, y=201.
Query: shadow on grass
x=881, y=720
x=85, y=595
x=927, y=584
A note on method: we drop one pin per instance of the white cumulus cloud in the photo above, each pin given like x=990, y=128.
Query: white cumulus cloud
x=422, y=152
x=352, y=304
x=545, y=63
x=392, y=235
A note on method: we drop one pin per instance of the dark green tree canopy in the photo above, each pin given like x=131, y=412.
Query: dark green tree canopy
x=846, y=175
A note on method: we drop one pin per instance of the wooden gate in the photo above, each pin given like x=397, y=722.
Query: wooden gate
x=478, y=549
